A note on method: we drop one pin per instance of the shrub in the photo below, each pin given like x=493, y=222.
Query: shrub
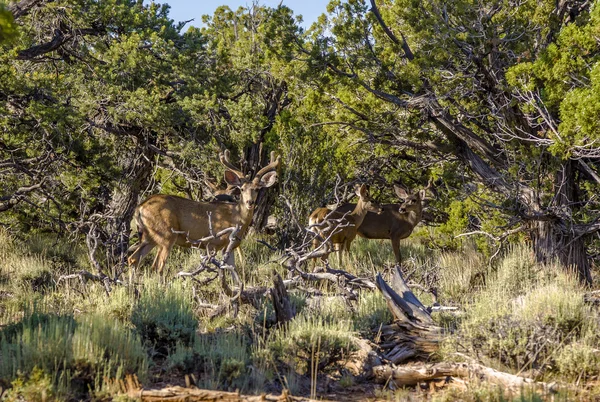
x=308, y=337
x=531, y=316
x=371, y=312
x=578, y=361
x=163, y=315
x=35, y=387
x=219, y=359
x=75, y=353
x=460, y=275
x=516, y=273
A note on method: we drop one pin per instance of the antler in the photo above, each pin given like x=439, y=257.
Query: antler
x=271, y=166
x=224, y=158
x=429, y=184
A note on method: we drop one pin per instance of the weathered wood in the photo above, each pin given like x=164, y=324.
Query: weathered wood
x=180, y=394
x=414, y=333
x=417, y=309
x=415, y=373
x=281, y=301
x=131, y=387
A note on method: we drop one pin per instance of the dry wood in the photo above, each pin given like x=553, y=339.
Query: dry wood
x=133, y=389
x=180, y=394
x=413, y=333
x=415, y=373
x=281, y=301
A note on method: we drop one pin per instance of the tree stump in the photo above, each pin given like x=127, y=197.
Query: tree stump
x=413, y=333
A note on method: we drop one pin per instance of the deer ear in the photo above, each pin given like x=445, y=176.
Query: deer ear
x=232, y=179
x=401, y=191
x=364, y=191
x=268, y=179
x=422, y=194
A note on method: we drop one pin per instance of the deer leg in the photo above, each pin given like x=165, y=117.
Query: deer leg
x=140, y=251
x=396, y=248
x=162, y=258
x=135, y=259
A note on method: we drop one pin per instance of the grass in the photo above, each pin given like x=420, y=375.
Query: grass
x=69, y=355
x=296, y=344
x=163, y=315
x=72, y=341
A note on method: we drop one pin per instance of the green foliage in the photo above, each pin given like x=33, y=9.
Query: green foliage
x=163, y=315
x=73, y=352
x=220, y=360
x=531, y=317
x=578, y=361
x=371, y=313
x=23, y=271
x=8, y=28
x=460, y=275
x=312, y=338
x=566, y=74
x=37, y=387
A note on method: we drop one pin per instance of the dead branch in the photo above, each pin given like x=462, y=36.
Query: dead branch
x=497, y=239
x=85, y=276
x=10, y=201
x=24, y=6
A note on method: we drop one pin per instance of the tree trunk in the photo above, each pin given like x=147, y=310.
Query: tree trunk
x=551, y=243
x=552, y=239
x=256, y=157
x=136, y=167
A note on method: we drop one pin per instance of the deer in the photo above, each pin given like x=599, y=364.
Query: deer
x=342, y=234
x=167, y=220
x=224, y=195
x=397, y=221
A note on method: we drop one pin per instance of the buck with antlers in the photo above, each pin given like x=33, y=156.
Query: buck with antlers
x=397, y=221
x=166, y=220
x=343, y=232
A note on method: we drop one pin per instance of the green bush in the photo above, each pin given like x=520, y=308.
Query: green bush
x=163, y=315
x=578, y=361
x=516, y=273
x=308, y=337
x=37, y=386
x=75, y=353
x=21, y=270
x=460, y=275
x=531, y=316
x=371, y=313
x=219, y=360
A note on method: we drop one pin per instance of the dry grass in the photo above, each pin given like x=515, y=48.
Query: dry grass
x=505, y=308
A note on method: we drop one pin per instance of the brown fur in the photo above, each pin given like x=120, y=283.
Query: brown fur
x=396, y=222
x=159, y=215
x=343, y=237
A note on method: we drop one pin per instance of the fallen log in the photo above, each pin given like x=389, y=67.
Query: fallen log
x=133, y=389
x=180, y=394
x=414, y=374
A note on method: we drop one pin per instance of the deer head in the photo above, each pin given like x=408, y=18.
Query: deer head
x=368, y=204
x=249, y=188
x=412, y=202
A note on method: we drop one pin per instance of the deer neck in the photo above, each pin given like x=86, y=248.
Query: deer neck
x=414, y=217
x=359, y=212
x=245, y=215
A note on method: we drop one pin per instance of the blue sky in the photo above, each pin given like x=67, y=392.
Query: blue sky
x=183, y=10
